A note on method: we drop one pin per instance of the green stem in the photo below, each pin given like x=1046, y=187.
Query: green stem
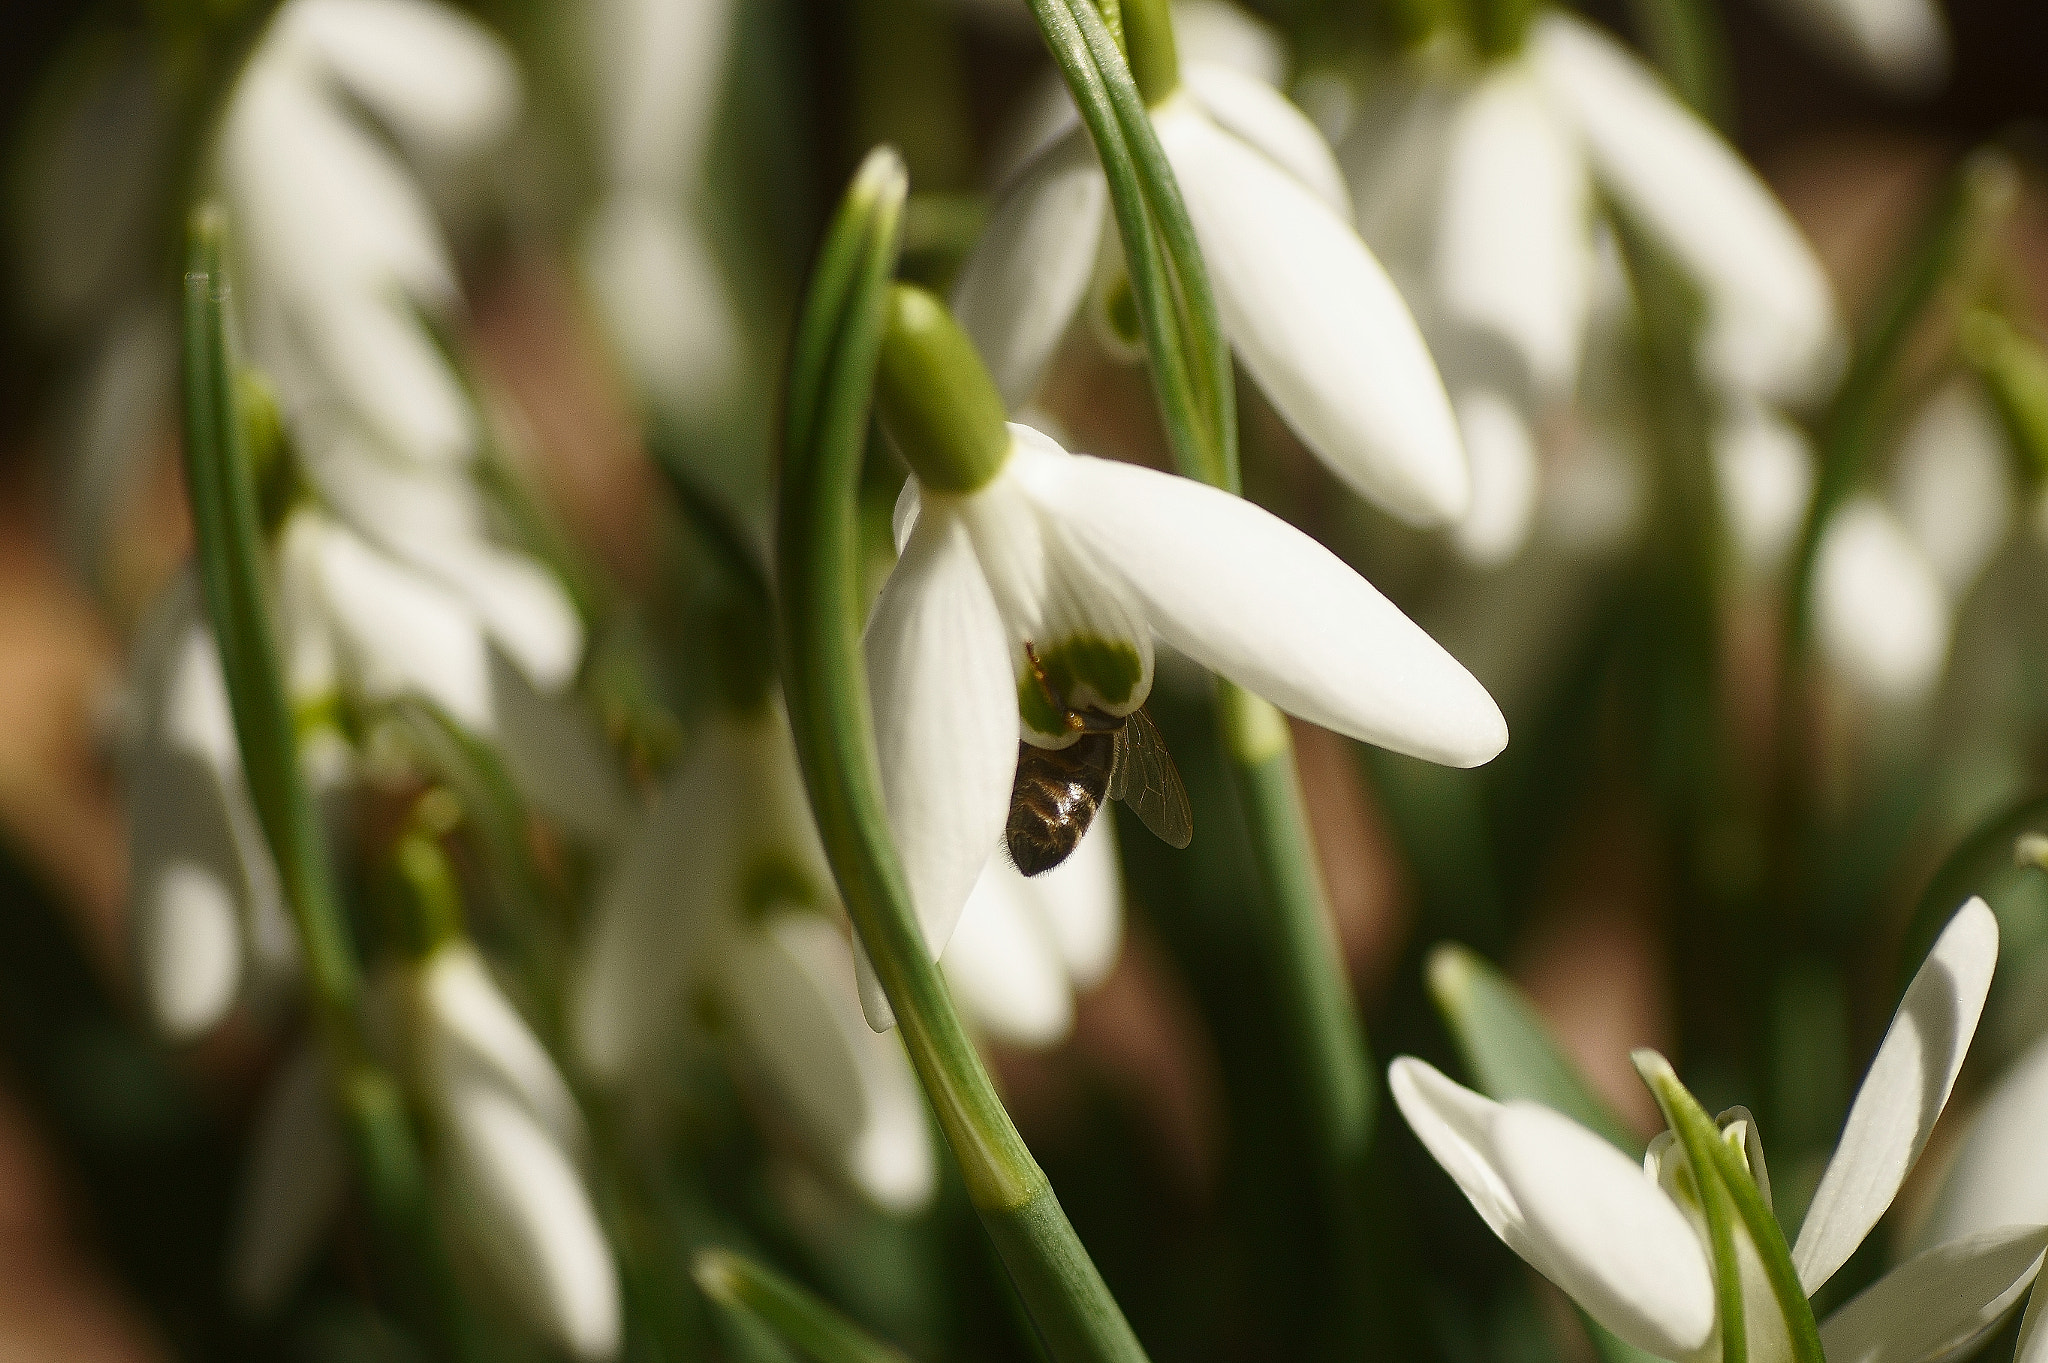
x=1687, y=40
x=226, y=523
x=838, y=340
x=738, y=1283
x=1698, y=1139
x=1184, y=343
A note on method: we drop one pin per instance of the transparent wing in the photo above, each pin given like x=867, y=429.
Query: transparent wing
x=1145, y=778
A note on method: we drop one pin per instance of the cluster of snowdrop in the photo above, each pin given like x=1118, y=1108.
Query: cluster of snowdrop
x=1633, y=1247
x=1422, y=280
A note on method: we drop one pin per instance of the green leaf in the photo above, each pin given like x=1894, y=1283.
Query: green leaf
x=1982, y=864
x=739, y=1285
x=1184, y=342
x=1508, y=1049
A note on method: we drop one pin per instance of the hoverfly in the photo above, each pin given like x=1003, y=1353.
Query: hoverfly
x=1059, y=790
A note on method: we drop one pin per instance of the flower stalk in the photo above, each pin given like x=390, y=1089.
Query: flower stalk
x=226, y=525
x=836, y=356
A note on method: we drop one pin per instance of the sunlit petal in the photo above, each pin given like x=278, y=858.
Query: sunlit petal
x=1254, y=599
x=1879, y=610
x=1252, y=110
x=945, y=715
x=474, y=1035
x=1952, y=484
x=1610, y=1237
x=1002, y=965
x=1319, y=325
x=1904, y=1092
x=1938, y=1303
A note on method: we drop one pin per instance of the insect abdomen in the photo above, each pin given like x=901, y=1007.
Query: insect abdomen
x=1055, y=798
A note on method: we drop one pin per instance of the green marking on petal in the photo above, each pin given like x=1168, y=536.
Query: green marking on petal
x=1036, y=709
x=1109, y=668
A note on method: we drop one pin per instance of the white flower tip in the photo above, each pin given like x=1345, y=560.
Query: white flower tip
x=894, y=1167
x=1882, y=613
x=874, y=1001
x=191, y=947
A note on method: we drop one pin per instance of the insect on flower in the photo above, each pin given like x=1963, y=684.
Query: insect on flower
x=1059, y=791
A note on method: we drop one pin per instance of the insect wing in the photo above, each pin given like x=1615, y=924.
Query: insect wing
x=1145, y=778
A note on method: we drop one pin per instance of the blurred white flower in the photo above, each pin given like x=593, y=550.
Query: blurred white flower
x=1067, y=565
x=505, y=1138
x=1025, y=946
x=1880, y=612
x=655, y=74
x=510, y=1136
x=1477, y=189
x=1307, y=308
x=204, y=901
x=718, y=908
x=1630, y=1245
x=1901, y=44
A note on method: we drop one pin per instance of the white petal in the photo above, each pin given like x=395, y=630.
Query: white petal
x=790, y=988
x=1999, y=1178
x=1002, y=966
x=1250, y=597
x=399, y=633
x=531, y=1220
x=1512, y=259
x=1880, y=611
x=1456, y=1126
x=945, y=715
x=1952, y=484
x=1764, y=470
x=1252, y=110
x=665, y=302
x=1901, y=43
x=189, y=940
x=1027, y=274
x=2032, y=1345
x=1937, y=1304
x=1903, y=1093
x=474, y=1035
x=1611, y=1239
x=1318, y=324
x=443, y=82
x=1771, y=317
x=1216, y=33
x=291, y=1186
x=521, y=605
x=1081, y=903
x=1505, y=478
x=659, y=67
x=1394, y=155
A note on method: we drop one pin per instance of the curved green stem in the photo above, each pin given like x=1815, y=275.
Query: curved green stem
x=838, y=340
x=1698, y=1138
x=226, y=522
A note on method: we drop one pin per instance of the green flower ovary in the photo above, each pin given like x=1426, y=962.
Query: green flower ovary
x=1081, y=669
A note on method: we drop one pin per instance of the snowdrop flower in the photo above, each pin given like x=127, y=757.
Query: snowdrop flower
x=1304, y=304
x=655, y=77
x=1027, y=571
x=207, y=911
x=510, y=1136
x=717, y=908
x=506, y=1139
x=1630, y=1245
x=1900, y=44
x=1026, y=945
x=1477, y=187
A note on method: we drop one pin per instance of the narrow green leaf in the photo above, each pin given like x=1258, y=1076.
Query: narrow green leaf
x=1699, y=1139
x=2014, y=368
x=740, y=1285
x=1981, y=864
x=1507, y=1048
x=1769, y=1238
x=830, y=390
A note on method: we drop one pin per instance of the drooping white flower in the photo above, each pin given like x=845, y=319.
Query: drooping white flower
x=292, y=1184
x=656, y=73
x=206, y=907
x=1026, y=945
x=1630, y=1246
x=1068, y=566
x=1880, y=612
x=1304, y=304
x=717, y=906
x=1476, y=187
x=510, y=1135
